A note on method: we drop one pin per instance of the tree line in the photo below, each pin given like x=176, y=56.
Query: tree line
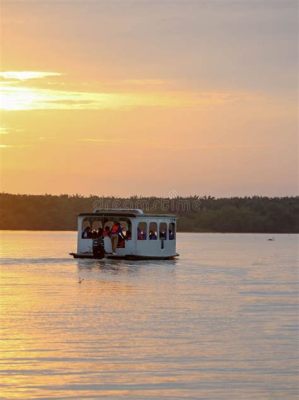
x=196, y=214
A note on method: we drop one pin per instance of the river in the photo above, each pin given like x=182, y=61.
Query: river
x=220, y=322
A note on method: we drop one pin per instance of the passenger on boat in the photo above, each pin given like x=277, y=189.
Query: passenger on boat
x=122, y=237
x=141, y=234
x=106, y=231
x=107, y=240
x=171, y=234
x=86, y=233
x=152, y=235
x=162, y=235
x=94, y=234
x=115, y=232
x=100, y=232
x=121, y=240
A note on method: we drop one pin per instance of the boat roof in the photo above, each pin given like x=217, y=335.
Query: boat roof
x=132, y=213
x=113, y=211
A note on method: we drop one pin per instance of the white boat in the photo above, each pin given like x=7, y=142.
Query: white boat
x=140, y=236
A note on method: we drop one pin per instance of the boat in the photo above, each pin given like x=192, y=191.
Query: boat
x=139, y=236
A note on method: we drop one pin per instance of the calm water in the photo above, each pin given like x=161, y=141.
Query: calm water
x=219, y=323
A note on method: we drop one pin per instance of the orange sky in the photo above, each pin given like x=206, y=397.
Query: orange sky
x=151, y=98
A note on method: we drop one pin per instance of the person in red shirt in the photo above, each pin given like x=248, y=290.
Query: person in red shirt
x=115, y=231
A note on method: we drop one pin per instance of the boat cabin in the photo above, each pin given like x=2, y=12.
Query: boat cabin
x=126, y=233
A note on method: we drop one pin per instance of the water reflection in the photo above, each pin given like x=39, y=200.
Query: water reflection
x=124, y=266
x=221, y=322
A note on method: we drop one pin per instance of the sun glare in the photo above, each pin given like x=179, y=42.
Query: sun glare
x=18, y=98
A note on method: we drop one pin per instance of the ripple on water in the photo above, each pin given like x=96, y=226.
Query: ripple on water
x=221, y=322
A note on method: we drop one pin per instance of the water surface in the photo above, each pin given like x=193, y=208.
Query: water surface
x=221, y=322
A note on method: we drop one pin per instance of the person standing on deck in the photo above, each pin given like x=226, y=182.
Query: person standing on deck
x=115, y=231
x=107, y=240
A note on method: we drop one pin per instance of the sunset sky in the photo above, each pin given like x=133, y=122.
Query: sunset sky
x=149, y=97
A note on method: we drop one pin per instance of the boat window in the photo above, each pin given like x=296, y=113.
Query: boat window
x=86, y=229
x=141, y=231
x=85, y=223
x=153, y=231
x=96, y=228
x=126, y=229
x=163, y=231
x=93, y=228
x=96, y=224
x=172, y=231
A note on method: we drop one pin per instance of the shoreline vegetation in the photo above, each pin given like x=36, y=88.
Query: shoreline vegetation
x=195, y=214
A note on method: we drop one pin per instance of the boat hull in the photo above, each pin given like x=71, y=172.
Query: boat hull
x=123, y=257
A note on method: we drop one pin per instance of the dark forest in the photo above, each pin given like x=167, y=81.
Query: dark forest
x=195, y=214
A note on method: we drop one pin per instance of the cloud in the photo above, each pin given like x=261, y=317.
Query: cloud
x=15, y=146
x=29, y=98
x=14, y=95
x=101, y=141
x=3, y=131
x=25, y=75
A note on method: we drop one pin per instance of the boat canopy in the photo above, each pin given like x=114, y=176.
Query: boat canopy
x=119, y=211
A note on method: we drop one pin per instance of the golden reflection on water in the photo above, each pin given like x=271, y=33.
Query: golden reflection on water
x=218, y=323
